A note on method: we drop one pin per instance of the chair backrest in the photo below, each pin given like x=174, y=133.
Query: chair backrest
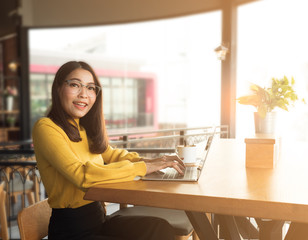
x=3, y=219
x=33, y=221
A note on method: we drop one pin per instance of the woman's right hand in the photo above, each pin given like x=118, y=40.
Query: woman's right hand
x=156, y=164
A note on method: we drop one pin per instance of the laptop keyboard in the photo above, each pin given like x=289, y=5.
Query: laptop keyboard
x=171, y=173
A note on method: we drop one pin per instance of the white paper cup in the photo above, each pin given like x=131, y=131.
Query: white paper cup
x=188, y=153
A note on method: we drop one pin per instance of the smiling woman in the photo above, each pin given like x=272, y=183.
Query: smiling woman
x=73, y=154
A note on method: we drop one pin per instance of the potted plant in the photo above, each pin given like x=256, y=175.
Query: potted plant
x=11, y=120
x=281, y=94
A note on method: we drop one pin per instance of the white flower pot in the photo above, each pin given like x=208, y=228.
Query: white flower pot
x=265, y=125
x=9, y=103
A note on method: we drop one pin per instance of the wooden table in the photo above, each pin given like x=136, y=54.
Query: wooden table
x=226, y=187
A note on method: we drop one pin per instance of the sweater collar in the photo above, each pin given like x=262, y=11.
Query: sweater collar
x=75, y=121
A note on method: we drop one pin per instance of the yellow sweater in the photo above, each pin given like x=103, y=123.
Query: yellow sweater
x=68, y=168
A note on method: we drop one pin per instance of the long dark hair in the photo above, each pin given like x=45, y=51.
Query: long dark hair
x=93, y=121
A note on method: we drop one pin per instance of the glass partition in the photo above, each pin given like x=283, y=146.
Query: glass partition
x=272, y=42
x=155, y=74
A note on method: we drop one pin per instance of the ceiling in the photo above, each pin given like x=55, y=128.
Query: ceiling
x=57, y=13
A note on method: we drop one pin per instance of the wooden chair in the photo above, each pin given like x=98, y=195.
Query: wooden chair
x=4, y=206
x=177, y=219
x=19, y=172
x=20, y=180
x=18, y=187
x=33, y=221
x=3, y=217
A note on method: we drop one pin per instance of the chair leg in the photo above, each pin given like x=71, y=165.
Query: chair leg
x=123, y=205
x=14, y=198
x=22, y=201
x=30, y=196
x=8, y=201
x=195, y=236
x=182, y=237
x=3, y=217
x=36, y=190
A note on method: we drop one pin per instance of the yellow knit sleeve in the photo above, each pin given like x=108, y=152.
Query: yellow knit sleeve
x=116, y=155
x=58, y=157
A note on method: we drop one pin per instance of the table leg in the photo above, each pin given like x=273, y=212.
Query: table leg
x=270, y=229
x=202, y=225
x=229, y=227
x=297, y=231
x=246, y=228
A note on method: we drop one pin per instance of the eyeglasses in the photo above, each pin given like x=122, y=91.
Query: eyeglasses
x=75, y=87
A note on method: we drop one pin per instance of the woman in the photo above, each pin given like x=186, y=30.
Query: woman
x=73, y=154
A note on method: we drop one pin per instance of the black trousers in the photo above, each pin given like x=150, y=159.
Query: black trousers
x=90, y=223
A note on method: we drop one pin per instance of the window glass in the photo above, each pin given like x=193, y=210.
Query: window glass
x=130, y=101
x=272, y=42
x=155, y=74
x=40, y=92
x=106, y=88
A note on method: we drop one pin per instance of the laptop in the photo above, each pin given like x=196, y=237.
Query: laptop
x=192, y=171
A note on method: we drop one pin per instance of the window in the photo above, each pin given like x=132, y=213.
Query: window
x=155, y=74
x=40, y=92
x=272, y=42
